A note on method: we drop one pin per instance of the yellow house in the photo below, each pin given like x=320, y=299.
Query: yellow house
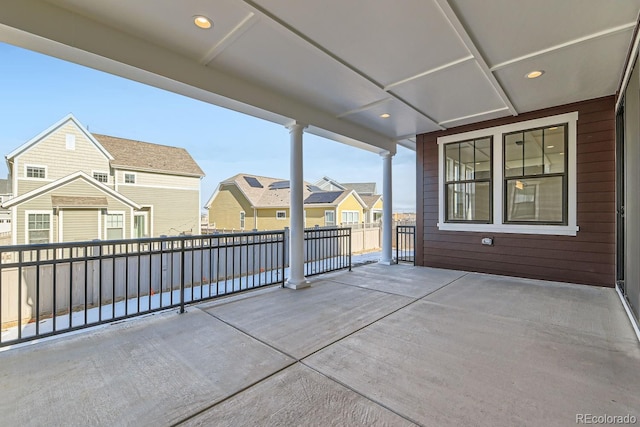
x=250, y=202
x=366, y=191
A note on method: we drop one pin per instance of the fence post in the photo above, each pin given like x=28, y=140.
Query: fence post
x=349, y=234
x=182, y=273
x=284, y=244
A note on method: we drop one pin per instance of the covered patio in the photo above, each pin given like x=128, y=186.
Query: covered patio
x=381, y=345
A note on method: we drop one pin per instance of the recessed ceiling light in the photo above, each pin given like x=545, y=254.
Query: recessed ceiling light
x=534, y=74
x=550, y=146
x=202, y=22
x=553, y=128
x=385, y=115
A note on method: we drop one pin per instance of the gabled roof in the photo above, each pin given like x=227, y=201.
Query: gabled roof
x=327, y=183
x=268, y=192
x=145, y=156
x=69, y=117
x=362, y=188
x=371, y=200
x=65, y=180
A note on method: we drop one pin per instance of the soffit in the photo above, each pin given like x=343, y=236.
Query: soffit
x=336, y=65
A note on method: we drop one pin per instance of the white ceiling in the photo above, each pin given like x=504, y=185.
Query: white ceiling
x=338, y=64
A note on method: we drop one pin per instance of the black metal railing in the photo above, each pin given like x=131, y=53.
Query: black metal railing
x=406, y=243
x=326, y=249
x=55, y=288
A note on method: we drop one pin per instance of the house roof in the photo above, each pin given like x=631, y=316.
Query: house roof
x=366, y=188
x=69, y=117
x=145, y=156
x=268, y=192
x=371, y=200
x=65, y=180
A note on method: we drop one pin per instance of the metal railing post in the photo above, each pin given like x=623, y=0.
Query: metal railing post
x=182, y=272
x=349, y=239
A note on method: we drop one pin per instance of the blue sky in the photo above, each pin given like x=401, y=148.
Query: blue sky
x=37, y=91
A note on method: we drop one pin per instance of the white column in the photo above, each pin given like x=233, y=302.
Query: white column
x=387, y=212
x=296, y=210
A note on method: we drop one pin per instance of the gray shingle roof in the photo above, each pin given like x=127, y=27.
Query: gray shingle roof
x=267, y=196
x=146, y=156
x=362, y=188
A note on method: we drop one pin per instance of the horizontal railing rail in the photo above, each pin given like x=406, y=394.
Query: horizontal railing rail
x=405, y=243
x=326, y=249
x=48, y=289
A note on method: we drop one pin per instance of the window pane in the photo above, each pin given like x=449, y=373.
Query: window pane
x=452, y=154
x=39, y=236
x=513, y=145
x=467, y=162
x=535, y=199
x=114, y=233
x=554, y=141
x=533, y=152
x=483, y=159
x=469, y=202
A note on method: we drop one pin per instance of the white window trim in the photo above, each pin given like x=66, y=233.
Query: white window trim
x=135, y=178
x=334, y=217
x=26, y=224
x=124, y=219
x=281, y=218
x=104, y=172
x=350, y=211
x=571, y=229
x=31, y=165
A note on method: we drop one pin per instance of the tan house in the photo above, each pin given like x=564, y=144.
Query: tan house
x=246, y=202
x=71, y=185
x=366, y=191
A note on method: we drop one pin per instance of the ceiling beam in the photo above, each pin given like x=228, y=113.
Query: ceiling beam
x=455, y=22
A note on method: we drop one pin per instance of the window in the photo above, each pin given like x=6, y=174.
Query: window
x=535, y=176
x=101, y=176
x=526, y=183
x=115, y=226
x=377, y=216
x=38, y=228
x=350, y=217
x=36, y=172
x=70, y=142
x=281, y=214
x=468, y=180
x=329, y=218
x=129, y=178
x=242, y=217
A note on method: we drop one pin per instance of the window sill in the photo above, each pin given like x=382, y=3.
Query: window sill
x=557, y=230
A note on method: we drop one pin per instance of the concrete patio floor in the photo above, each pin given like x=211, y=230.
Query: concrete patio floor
x=381, y=345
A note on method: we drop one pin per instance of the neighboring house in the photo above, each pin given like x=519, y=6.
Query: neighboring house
x=366, y=191
x=5, y=214
x=71, y=185
x=246, y=202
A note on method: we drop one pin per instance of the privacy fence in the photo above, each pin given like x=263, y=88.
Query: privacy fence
x=56, y=288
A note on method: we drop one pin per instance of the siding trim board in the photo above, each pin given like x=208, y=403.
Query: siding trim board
x=587, y=257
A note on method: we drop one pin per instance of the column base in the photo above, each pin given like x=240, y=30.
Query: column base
x=297, y=284
x=385, y=262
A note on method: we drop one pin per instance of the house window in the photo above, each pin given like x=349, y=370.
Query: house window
x=535, y=176
x=39, y=227
x=329, y=218
x=115, y=226
x=350, y=217
x=242, y=217
x=281, y=214
x=531, y=187
x=101, y=176
x=129, y=178
x=377, y=216
x=70, y=141
x=467, y=185
x=36, y=172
